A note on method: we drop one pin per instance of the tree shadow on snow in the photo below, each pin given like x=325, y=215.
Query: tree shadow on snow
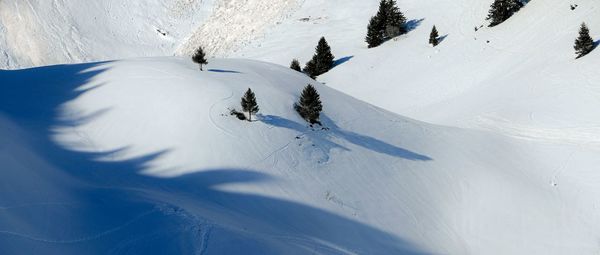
x=327, y=138
x=222, y=71
x=340, y=61
x=413, y=24
x=442, y=38
x=77, y=204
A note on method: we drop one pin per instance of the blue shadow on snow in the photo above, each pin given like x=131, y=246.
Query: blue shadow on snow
x=73, y=203
x=327, y=137
x=340, y=61
x=413, y=24
x=222, y=71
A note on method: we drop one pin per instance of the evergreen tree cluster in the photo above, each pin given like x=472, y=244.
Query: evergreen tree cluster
x=388, y=23
x=322, y=60
x=584, y=44
x=501, y=10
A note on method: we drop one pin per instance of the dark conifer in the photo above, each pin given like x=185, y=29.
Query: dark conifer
x=310, y=69
x=374, y=35
x=199, y=57
x=296, y=65
x=249, y=103
x=389, y=22
x=382, y=15
x=395, y=24
x=433, y=37
x=584, y=43
x=309, y=106
x=322, y=61
x=501, y=10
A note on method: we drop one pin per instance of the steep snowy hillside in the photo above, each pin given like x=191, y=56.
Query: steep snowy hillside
x=519, y=78
x=141, y=156
x=42, y=32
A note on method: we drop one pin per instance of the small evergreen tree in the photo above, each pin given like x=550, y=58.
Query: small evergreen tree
x=501, y=10
x=295, y=65
x=310, y=69
x=249, y=103
x=322, y=61
x=584, y=43
x=199, y=57
x=433, y=37
x=374, y=35
x=309, y=106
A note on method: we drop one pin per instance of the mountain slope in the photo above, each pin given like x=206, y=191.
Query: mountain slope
x=41, y=32
x=141, y=156
x=519, y=78
x=496, y=156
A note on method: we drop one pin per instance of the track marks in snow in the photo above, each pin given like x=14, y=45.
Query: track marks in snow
x=82, y=239
x=211, y=114
x=332, y=197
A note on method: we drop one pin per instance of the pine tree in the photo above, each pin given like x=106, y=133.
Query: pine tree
x=295, y=65
x=374, y=35
x=389, y=22
x=382, y=16
x=433, y=37
x=310, y=69
x=322, y=61
x=309, y=106
x=395, y=24
x=501, y=10
x=199, y=57
x=584, y=43
x=249, y=103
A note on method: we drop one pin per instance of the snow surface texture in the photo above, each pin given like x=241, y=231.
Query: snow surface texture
x=141, y=156
x=236, y=23
x=42, y=32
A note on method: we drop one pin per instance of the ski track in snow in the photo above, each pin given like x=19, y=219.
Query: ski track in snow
x=82, y=239
x=212, y=112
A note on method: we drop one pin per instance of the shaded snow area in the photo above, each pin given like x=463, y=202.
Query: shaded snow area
x=142, y=156
x=485, y=144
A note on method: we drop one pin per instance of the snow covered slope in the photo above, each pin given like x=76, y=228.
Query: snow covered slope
x=43, y=32
x=519, y=78
x=141, y=156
